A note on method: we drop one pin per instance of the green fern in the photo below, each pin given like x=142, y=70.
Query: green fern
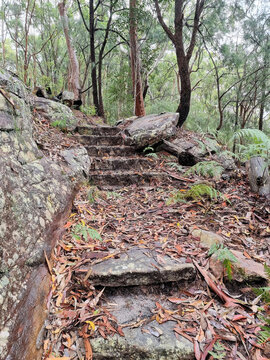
x=254, y=142
x=93, y=194
x=84, y=231
x=148, y=149
x=113, y=195
x=175, y=166
x=219, y=351
x=196, y=192
x=61, y=124
x=264, y=334
x=206, y=169
x=153, y=155
x=225, y=256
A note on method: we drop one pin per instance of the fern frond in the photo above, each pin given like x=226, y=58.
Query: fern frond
x=196, y=192
x=84, y=231
x=175, y=166
x=256, y=143
x=264, y=292
x=255, y=135
x=113, y=195
x=267, y=271
x=93, y=194
x=218, y=351
x=206, y=169
x=264, y=334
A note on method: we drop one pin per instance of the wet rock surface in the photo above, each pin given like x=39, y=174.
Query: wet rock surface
x=35, y=196
x=140, y=267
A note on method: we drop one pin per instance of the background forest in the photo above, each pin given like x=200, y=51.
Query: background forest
x=228, y=65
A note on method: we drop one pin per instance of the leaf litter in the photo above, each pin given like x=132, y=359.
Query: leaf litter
x=217, y=321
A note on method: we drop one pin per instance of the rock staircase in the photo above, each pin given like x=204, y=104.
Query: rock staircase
x=135, y=280
x=134, y=283
x=113, y=163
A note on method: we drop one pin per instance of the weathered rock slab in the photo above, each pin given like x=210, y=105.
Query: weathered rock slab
x=35, y=196
x=244, y=270
x=149, y=130
x=140, y=343
x=55, y=112
x=78, y=161
x=207, y=238
x=140, y=267
x=190, y=152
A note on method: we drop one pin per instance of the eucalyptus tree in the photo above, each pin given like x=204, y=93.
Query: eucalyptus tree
x=97, y=18
x=185, y=16
x=135, y=60
x=74, y=71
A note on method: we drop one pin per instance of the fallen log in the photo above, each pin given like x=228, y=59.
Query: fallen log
x=258, y=175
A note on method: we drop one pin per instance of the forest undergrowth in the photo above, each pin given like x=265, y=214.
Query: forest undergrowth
x=221, y=318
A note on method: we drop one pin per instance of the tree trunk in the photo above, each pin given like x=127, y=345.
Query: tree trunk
x=93, y=56
x=74, y=71
x=135, y=61
x=258, y=175
x=185, y=92
x=183, y=54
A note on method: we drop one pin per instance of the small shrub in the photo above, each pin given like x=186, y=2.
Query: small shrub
x=88, y=110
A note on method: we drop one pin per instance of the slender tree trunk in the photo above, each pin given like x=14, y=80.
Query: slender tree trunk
x=135, y=61
x=183, y=53
x=262, y=111
x=74, y=71
x=185, y=92
x=93, y=56
x=3, y=35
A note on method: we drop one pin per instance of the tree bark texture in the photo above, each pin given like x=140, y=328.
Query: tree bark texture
x=258, y=175
x=135, y=61
x=183, y=55
x=74, y=71
x=93, y=55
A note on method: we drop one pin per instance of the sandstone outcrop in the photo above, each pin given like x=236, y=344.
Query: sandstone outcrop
x=35, y=197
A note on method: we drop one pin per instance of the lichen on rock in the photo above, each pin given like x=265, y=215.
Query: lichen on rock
x=35, y=196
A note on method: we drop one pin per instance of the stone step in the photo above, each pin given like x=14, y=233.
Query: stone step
x=101, y=140
x=124, y=279
x=98, y=130
x=118, y=163
x=138, y=267
x=153, y=341
x=101, y=151
x=124, y=178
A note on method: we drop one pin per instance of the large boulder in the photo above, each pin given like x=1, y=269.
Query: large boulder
x=55, y=112
x=150, y=130
x=35, y=197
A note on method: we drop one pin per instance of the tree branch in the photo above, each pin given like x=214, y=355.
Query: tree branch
x=163, y=24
